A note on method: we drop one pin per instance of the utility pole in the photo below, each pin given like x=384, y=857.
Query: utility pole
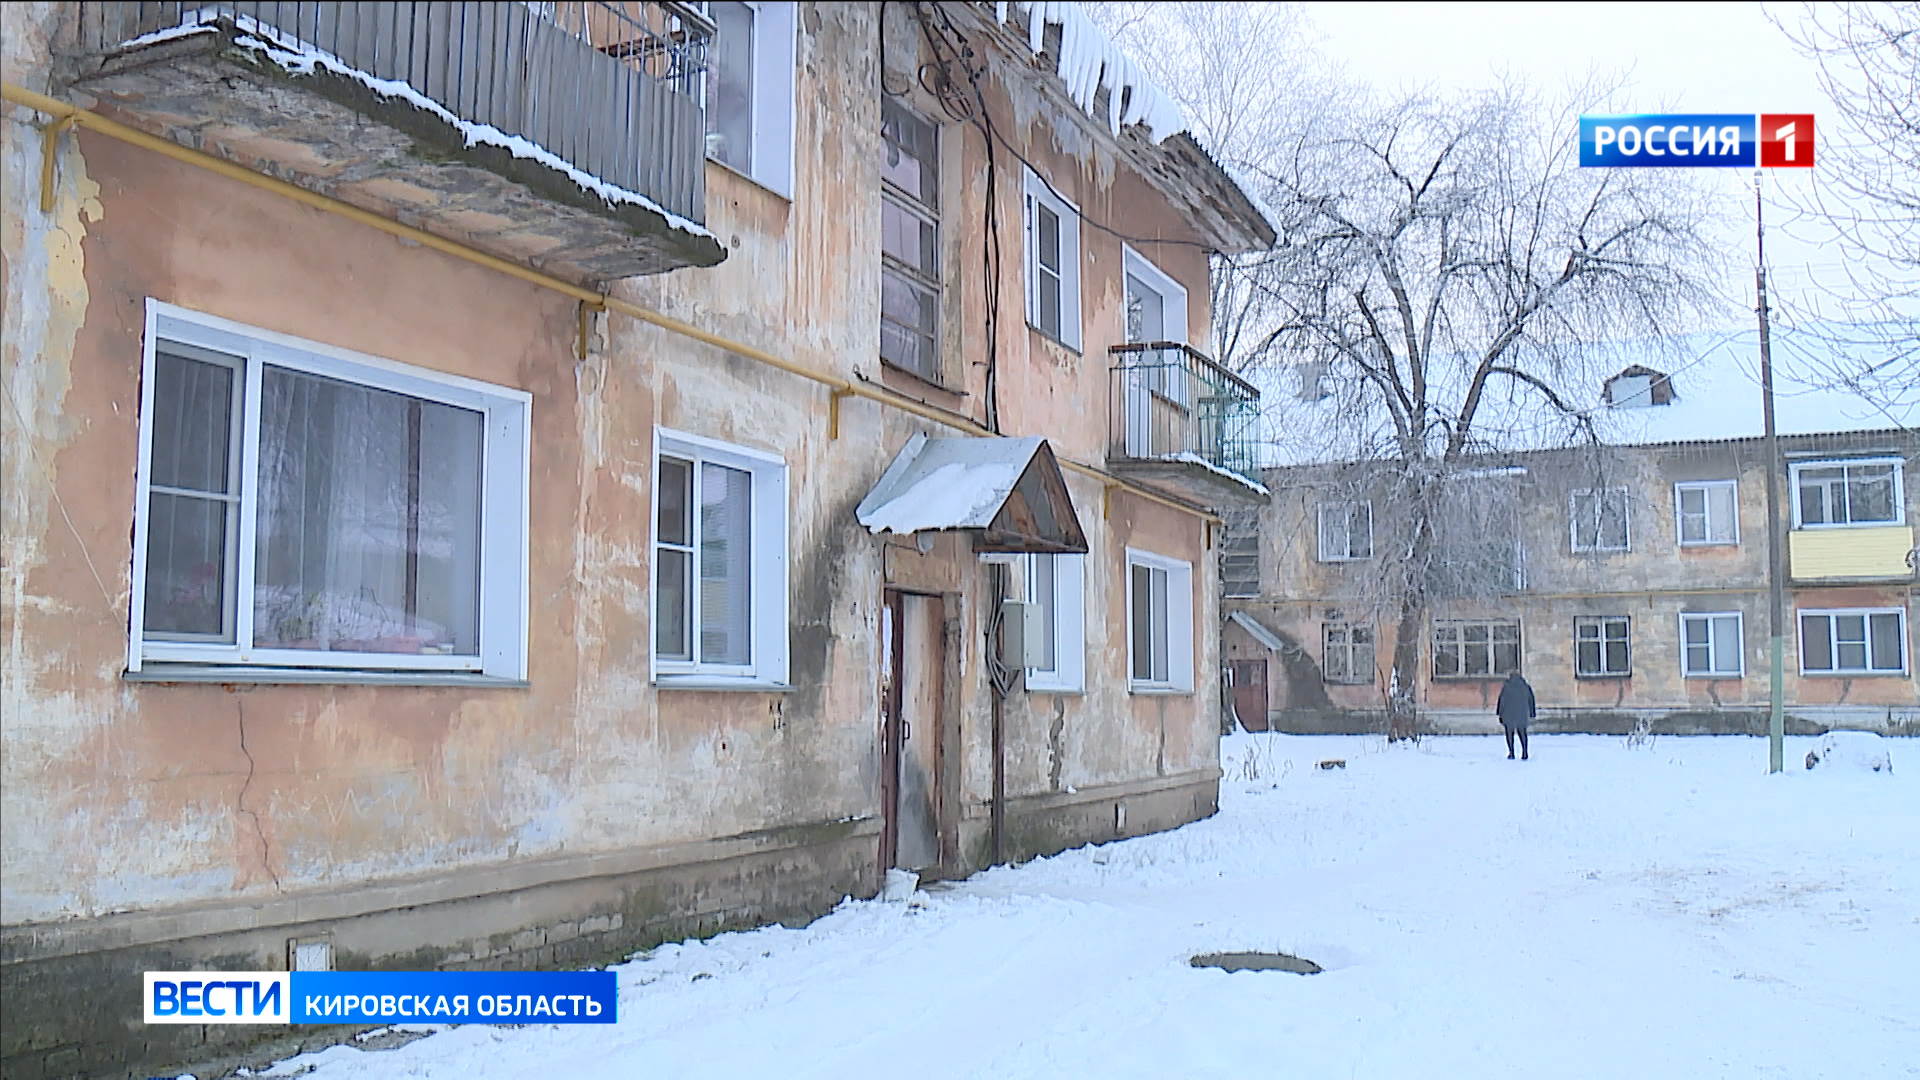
x=1776, y=598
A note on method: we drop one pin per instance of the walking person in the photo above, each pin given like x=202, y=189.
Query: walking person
x=1516, y=709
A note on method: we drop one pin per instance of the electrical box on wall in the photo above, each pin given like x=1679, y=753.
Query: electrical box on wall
x=1023, y=635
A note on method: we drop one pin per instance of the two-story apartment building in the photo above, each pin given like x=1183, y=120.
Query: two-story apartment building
x=501, y=485
x=1627, y=581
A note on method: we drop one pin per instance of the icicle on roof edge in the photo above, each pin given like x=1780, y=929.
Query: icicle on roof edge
x=1090, y=60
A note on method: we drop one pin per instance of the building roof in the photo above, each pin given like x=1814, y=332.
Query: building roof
x=1009, y=489
x=1113, y=95
x=1714, y=380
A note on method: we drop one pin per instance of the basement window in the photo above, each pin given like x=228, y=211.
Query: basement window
x=300, y=506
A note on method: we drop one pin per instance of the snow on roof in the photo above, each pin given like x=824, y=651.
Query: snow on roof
x=1716, y=396
x=1090, y=60
x=297, y=56
x=1255, y=627
x=956, y=483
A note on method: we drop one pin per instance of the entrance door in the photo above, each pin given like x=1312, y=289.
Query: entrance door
x=1250, y=693
x=911, y=647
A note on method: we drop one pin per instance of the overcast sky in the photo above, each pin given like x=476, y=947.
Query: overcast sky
x=1678, y=57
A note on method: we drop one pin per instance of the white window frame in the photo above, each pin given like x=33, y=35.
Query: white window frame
x=1834, y=648
x=1899, y=491
x=1582, y=621
x=1740, y=623
x=1167, y=378
x=1179, y=629
x=506, y=469
x=1037, y=193
x=1706, y=488
x=1320, y=530
x=1172, y=293
x=775, y=45
x=767, y=655
x=1067, y=605
x=1600, y=496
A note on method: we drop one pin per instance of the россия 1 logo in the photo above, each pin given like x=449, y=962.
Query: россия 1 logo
x=1698, y=140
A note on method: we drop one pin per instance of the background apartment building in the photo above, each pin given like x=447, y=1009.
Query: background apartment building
x=1626, y=580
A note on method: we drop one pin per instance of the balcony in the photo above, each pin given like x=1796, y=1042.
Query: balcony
x=1182, y=423
x=1884, y=553
x=567, y=136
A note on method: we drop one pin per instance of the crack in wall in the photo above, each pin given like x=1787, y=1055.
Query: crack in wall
x=240, y=800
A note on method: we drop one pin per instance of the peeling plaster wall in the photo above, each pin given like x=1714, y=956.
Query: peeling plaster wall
x=131, y=796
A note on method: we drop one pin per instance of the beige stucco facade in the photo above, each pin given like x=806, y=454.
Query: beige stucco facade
x=587, y=810
x=1651, y=584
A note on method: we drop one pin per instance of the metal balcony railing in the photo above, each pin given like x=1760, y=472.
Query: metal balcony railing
x=1168, y=401
x=613, y=89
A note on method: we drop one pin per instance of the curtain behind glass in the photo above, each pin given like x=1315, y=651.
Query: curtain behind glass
x=368, y=530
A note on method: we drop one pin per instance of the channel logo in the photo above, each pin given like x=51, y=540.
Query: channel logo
x=1697, y=140
x=218, y=997
x=346, y=997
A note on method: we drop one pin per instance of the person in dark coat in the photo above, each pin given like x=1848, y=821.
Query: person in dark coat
x=1516, y=711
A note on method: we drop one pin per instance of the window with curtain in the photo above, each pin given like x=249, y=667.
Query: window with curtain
x=1711, y=645
x=1708, y=512
x=1600, y=520
x=1346, y=531
x=314, y=509
x=1856, y=642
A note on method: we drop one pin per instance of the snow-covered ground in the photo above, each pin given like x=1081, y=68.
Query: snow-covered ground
x=1599, y=911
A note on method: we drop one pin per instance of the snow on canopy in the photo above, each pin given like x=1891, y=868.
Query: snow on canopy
x=1716, y=396
x=1090, y=60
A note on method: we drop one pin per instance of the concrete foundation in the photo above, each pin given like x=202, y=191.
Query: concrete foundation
x=73, y=989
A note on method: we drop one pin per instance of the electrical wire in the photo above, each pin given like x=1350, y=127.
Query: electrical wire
x=985, y=121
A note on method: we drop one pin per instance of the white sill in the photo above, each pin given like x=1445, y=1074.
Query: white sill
x=1714, y=675
x=1160, y=691
x=696, y=681
x=1044, y=688
x=751, y=179
x=1709, y=543
x=1350, y=558
x=1603, y=551
x=1062, y=342
x=272, y=676
x=1823, y=526
x=1853, y=674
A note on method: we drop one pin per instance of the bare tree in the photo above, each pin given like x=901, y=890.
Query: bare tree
x=1446, y=279
x=1865, y=195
